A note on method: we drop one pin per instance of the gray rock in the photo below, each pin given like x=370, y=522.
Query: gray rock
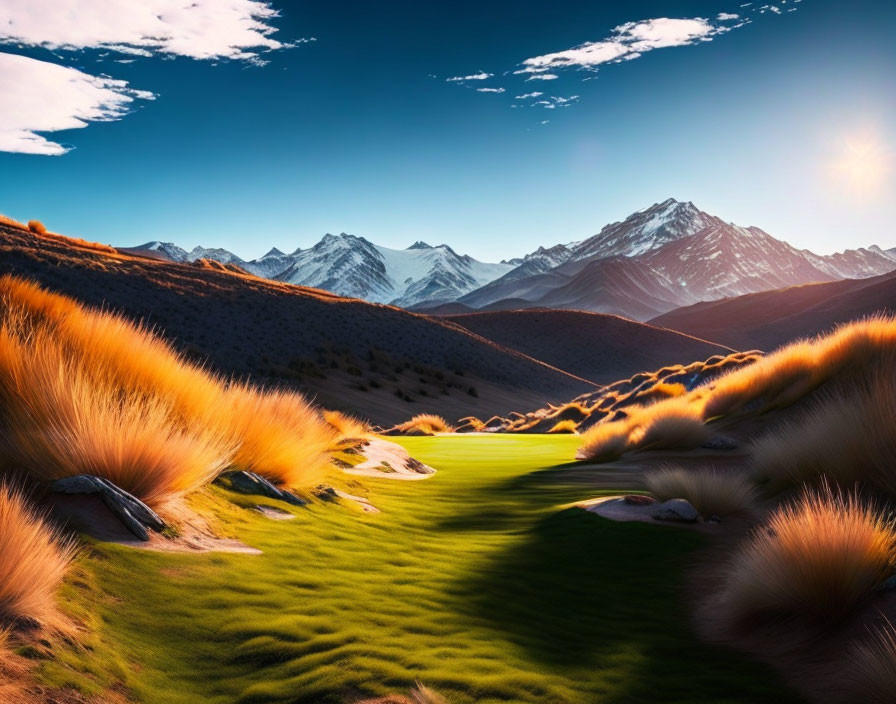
x=135, y=515
x=720, y=442
x=676, y=510
x=251, y=483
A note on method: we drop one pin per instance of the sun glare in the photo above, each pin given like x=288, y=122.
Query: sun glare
x=862, y=165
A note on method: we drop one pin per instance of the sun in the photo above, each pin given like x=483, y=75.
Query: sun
x=862, y=164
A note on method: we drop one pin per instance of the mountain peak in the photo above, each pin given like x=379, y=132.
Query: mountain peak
x=420, y=244
x=274, y=252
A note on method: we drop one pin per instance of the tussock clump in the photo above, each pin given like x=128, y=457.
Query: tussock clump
x=280, y=436
x=346, y=426
x=425, y=424
x=33, y=561
x=815, y=560
x=710, y=492
x=37, y=227
x=132, y=409
x=604, y=442
x=871, y=670
x=564, y=426
x=677, y=426
x=847, y=437
x=61, y=421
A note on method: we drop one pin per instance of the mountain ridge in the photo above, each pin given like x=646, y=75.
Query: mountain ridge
x=664, y=256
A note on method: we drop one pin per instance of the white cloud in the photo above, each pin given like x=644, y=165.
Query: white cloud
x=627, y=41
x=542, y=77
x=776, y=10
x=481, y=76
x=48, y=97
x=533, y=94
x=200, y=29
x=722, y=16
x=489, y=90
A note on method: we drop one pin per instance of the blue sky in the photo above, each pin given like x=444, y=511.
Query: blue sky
x=787, y=121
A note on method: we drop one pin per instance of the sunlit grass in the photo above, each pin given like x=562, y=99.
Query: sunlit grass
x=474, y=582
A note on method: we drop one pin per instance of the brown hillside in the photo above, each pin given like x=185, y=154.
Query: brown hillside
x=771, y=318
x=595, y=346
x=377, y=361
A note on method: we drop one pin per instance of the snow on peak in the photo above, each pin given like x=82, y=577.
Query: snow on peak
x=420, y=244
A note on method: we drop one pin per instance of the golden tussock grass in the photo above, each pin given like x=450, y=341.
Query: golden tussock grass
x=674, y=426
x=710, y=492
x=280, y=435
x=815, y=559
x=847, y=437
x=564, y=426
x=604, y=442
x=425, y=424
x=870, y=671
x=132, y=409
x=774, y=381
x=33, y=561
x=346, y=426
x=60, y=420
x=37, y=227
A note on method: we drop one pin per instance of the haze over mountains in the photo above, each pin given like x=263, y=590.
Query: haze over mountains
x=669, y=255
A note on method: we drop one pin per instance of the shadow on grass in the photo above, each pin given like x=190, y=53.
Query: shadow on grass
x=581, y=591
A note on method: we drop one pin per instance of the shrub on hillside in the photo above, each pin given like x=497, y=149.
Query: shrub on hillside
x=33, y=560
x=815, y=559
x=134, y=410
x=847, y=437
x=710, y=492
x=677, y=426
x=37, y=227
x=424, y=424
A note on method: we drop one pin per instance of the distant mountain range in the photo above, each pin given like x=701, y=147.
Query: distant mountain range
x=669, y=255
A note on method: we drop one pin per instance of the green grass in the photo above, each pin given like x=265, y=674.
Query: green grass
x=476, y=581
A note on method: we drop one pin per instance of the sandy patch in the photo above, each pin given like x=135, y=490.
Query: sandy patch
x=362, y=503
x=616, y=509
x=86, y=513
x=389, y=460
x=275, y=514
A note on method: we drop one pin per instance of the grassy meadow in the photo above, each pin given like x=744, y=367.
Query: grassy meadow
x=478, y=582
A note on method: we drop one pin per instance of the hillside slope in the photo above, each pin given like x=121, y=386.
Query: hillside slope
x=381, y=362
x=771, y=318
x=602, y=348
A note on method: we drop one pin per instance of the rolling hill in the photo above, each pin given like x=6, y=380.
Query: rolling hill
x=374, y=360
x=601, y=348
x=771, y=318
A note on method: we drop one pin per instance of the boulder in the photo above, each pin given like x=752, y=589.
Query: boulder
x=135, y=515
x=245, y=482
x=678, y=510
x=720, y=442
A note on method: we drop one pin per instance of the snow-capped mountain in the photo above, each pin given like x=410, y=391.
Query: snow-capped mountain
x=352, y=266
x=645, y=230
x=687, y=255
x=667, y=255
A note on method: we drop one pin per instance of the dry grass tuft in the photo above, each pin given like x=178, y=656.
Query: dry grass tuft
x=604, y=442
x=710, y=492
x=37, y=227
x=88, y=391
x=847, y=437
x=564, y=426
x=424, y=424
x=33, y=561
x=346, y=426
x=815, y=560
x=871, y=668
x=280, y=436
x=674, y=426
